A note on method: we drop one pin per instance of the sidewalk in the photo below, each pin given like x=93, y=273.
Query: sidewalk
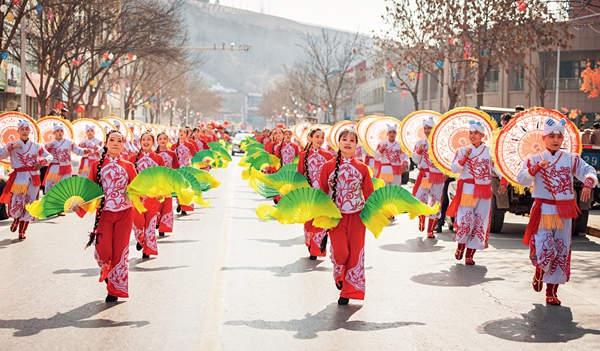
x=593, y=227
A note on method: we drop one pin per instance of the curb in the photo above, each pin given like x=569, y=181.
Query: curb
x=593, y=231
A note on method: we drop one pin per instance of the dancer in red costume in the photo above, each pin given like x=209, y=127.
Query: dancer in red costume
x=165, y=210
x=548, y=233
x=276, y=137
x=144, y=224
x=349, y=184
x=285, y=149
x=91, y=143
x=471, y=204
x=430, y=181
x=22, y=188
x=114, y=218
x=185, y=150
x=310, y=164
x=60, y=168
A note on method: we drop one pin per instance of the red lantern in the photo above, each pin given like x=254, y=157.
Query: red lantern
x=59, y=105
x=16, y=2
x=226, y=123
x=521, y=6
x=403, y=93
x=80, y=109
x=202, y=125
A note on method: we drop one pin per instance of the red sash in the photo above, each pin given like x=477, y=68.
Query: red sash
x=396, y=169
x=35, y=181
x=422, y=173
x=568, y=208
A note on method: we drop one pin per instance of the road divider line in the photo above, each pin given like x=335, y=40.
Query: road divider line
x=210, y=332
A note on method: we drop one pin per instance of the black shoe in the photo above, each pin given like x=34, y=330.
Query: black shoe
x=183, y=213
x=138, y=246
x=343, y=301
x=106, y=280
x=339, y=285
x=145, y=256
x=178, y=208
x=161, y=234
x=438, y=229
x=110, y=298
x=157, y=226
x=275, y=201
x=312, y=258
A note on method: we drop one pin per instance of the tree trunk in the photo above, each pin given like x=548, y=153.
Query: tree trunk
x=480, y=89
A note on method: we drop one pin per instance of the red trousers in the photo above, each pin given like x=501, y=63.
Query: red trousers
x=312, y=238
x=165, y=216
x=348, y=255
x=186, y=208
x=112, y=250
x=144, y=226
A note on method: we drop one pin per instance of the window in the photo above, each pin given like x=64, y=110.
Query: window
x=519, y=78
x=491, y=81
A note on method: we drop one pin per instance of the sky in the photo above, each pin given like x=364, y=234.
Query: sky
x=350, y=15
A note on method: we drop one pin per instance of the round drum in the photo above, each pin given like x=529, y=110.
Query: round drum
x=411, y=129
x=46, y=126
x=522, y=137
x=377, y=132
x=9, y=131
x=451, y=132
x=79, y=127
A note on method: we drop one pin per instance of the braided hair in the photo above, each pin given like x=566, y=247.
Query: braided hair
x=307, y=150
x=336, y=172
x=94, y=235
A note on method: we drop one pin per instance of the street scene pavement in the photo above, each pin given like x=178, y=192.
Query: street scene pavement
x=226, y=281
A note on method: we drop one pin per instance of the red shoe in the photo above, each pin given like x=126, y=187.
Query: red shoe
x=460, y=250
x=537, y=282
x=22, y=229
x=15, y=225
x=551, y=296
x=431, y=227
x=421, y=223
x=469, y=257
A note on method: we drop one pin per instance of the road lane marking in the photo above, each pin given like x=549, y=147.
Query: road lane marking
x=210, y=334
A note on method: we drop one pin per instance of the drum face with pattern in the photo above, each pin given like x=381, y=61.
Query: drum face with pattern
x=451, y=132
x=122, y=126
x=298, y=130
x=9, y=131
x=411, y=129
x=46, y=126
x=377, y=132
x=361, y=129
x=522, y=137
x=334, y=134
x=79, y=126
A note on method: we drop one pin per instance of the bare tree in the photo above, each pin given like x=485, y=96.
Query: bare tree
x=326, y=61
x=469, y=39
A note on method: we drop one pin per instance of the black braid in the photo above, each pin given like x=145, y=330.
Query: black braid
x=280, y=147
x=338, y=160
x=308, y=146
x=93, y=235
x=137, y=158
x=306, y=172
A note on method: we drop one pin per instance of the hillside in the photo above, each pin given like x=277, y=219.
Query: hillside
x=274, y=43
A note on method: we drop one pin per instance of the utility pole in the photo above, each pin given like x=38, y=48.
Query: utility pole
x=23, y=67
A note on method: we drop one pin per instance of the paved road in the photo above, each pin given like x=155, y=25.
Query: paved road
x=226, y=281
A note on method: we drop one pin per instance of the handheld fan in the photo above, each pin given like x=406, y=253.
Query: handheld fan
x=67, y=195
x=300, y=206
x=283, y=182
x=196, y=187
x=159, y=182
x=389, y=201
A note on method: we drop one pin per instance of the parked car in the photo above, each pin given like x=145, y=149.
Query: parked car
x=235, y=142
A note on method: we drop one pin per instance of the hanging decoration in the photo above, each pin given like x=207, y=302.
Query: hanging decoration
x=522, y=5
x=39, y=9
